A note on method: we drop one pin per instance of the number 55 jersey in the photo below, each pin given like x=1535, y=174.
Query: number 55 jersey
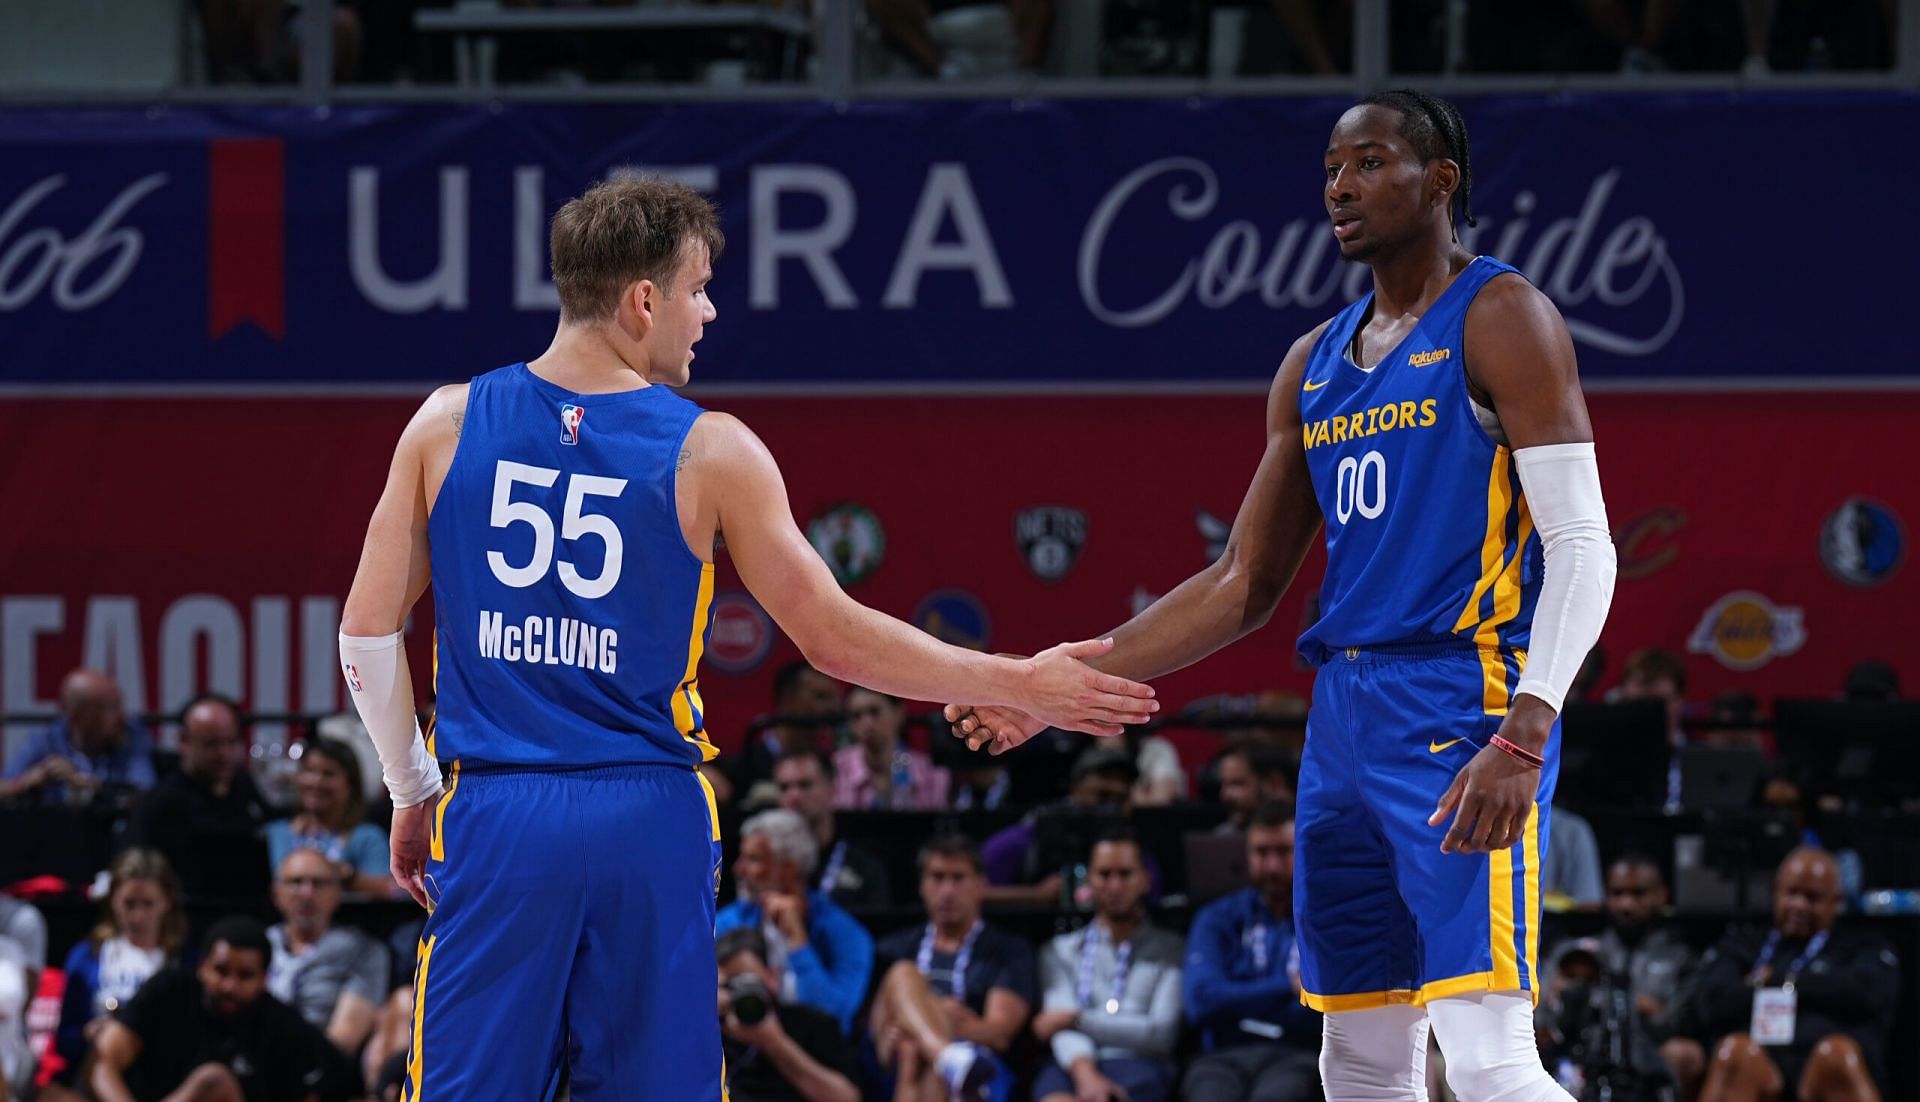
x=570, y=613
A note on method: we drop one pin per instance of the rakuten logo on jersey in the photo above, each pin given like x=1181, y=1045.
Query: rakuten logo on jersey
x=78, y=272
x=1594, y=264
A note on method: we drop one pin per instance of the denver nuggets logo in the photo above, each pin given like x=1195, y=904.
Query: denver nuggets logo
x=1745, y=631
x=570, y=418
x=1422, y=359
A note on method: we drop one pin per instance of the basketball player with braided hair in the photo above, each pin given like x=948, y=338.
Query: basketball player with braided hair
x=1436, y=427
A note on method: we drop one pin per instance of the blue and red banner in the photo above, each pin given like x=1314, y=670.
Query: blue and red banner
x=1685, y=237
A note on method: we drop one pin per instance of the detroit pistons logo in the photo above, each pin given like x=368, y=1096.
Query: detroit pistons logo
x=570, y=418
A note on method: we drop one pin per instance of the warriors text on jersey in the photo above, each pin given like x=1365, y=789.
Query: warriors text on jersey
x=1428, y=535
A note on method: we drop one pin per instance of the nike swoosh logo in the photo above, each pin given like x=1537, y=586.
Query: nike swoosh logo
x=1436, y=747
x=1314, y=386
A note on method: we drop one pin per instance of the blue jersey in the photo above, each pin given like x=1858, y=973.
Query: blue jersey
x=1428, y=535
x=569, y=612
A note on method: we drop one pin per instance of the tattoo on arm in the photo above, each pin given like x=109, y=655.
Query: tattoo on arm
x=680, y=464
x=459, y=422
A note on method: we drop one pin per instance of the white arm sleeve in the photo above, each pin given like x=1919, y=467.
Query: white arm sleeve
x=382, y=689
x=1562, y=484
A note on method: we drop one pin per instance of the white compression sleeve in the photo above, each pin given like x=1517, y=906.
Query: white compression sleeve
x=1562, y=484
x=1492, y=1056
x=376, y=672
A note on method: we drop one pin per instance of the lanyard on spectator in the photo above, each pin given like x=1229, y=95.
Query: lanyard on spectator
x=830, y=875
x=1122, y=964
x=960, y=959
x=1814, y=945
x=992, y=798
x=902, y=782
x=1259, y=934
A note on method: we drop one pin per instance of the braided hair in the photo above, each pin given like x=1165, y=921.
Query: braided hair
x=1436, y=131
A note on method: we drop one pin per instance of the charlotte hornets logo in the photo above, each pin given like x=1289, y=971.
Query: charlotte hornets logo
x=570, y=419
x=1861, y=542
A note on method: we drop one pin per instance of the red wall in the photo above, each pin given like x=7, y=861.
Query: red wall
x=118, y=511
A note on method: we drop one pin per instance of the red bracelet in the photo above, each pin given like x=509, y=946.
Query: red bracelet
x=1519, y=752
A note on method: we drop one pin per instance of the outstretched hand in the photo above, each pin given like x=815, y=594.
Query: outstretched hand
x=1062, y=691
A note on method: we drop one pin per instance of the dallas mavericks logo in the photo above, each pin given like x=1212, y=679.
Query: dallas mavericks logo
x=1861, y=542
x=570, y=418
x=1050, y=537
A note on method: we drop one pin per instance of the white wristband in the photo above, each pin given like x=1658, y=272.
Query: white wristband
x=1562, y=484
x=382, y=689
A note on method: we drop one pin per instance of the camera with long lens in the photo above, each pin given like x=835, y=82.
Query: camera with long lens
x=1595, y=1027
x=751, y=999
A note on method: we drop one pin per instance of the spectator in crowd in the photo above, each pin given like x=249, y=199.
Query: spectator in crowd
x=258, y=41
x=1111, y=991
x=23, y=956
x=1570, y=872
x=1250, y=774
x=1803, y=1010
x=92, y=745
x=1162, y=779
x=821, y=953
x=211, y=1034
x=1638, y=953
x=1739, y=723
x=877, y=771
x=1242, y=982
x=804, y=704
x=906, y=26
x=335, y=976
x=143, y=930
x=954, y=995
x=1660, y=675
x=1012, y=858
x=850, y=873
x=1871, y=682
x=779, y=1050
x=330, y=818
x=207, y=810
x=980, y=780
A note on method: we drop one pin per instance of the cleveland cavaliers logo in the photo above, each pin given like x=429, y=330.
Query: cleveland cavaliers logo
x=570, y=418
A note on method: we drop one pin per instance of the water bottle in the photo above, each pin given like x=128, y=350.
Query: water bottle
x=1901, y=901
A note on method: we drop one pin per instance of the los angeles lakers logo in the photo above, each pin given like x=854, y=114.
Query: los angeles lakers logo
x=1745, y=631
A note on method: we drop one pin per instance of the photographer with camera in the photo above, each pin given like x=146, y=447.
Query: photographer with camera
x=777, y=1051
x=1611, y=1001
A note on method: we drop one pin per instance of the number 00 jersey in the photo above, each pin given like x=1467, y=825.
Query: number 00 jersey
x=1428, y=535
x=569, y=612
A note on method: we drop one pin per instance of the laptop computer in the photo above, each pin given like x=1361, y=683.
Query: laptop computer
x=1719, y=778
x=1216, y=864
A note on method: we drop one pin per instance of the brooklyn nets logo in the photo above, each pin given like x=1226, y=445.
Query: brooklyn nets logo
x=1050, y=538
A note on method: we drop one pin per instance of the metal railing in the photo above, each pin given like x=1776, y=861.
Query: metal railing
x=832, y=36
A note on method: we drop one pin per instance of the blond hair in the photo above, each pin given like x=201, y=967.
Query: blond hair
x=621, y=232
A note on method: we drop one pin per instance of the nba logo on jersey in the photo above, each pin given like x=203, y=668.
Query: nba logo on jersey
x=570, y=418
x=353, y=678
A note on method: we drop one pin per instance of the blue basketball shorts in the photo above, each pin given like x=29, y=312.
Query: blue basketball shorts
x=1383, y=916
x=573, y=922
